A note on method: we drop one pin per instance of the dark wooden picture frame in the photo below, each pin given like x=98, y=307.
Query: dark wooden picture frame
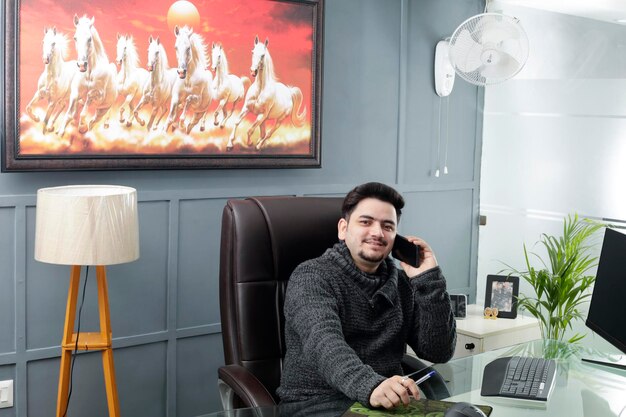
x=107, y=138
x=502, y=292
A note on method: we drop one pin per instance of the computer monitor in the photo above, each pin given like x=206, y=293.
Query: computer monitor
x=607, y=309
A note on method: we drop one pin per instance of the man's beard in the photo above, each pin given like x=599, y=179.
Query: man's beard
x=371, y=258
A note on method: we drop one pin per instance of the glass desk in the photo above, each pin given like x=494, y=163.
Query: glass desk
x=581, y=389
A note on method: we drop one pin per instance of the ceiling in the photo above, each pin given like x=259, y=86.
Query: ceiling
x=605, y=10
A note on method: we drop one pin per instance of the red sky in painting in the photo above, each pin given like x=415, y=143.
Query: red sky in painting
x=234, y=23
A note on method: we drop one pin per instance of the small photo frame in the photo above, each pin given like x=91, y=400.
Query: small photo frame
x=458, y=303
x=501, y=293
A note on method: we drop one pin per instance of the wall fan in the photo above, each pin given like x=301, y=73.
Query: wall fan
x=488, y=48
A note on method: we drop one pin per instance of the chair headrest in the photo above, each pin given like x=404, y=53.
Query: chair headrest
x=300, y=228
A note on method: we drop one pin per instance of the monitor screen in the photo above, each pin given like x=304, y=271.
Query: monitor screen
x=608, y=302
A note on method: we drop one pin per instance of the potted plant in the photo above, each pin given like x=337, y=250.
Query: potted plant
x=563, y=283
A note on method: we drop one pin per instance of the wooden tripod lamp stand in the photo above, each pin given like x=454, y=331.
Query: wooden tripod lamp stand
x=80, y=226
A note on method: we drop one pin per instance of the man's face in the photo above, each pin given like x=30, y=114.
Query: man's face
x=369, y=233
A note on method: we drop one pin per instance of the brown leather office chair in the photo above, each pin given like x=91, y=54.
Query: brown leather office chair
x=263, y=240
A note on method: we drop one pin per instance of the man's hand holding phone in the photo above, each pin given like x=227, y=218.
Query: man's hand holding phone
x=425, y=256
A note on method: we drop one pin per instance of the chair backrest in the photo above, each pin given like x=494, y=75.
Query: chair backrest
x=263, y=240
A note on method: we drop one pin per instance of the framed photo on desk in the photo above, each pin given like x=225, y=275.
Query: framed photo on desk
x=501, y=293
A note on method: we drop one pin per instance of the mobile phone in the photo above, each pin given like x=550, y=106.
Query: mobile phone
x=406, y=251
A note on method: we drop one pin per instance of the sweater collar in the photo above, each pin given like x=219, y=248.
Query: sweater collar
x=387, y=271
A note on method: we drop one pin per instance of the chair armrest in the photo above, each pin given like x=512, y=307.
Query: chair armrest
x=435, y=387
x=245, y=386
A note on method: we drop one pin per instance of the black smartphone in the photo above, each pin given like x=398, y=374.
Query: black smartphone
x=406, y=251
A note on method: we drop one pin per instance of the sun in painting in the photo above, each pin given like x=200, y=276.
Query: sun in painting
x=181, y=13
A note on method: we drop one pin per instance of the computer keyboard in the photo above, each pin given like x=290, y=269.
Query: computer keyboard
x=519, y=377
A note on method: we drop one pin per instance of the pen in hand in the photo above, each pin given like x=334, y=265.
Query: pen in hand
x=420, y=380
x=425, y=377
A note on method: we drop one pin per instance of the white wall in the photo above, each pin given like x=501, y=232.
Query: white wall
x=554, y=138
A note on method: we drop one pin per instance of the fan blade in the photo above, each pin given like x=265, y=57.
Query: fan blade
x=466, y=52
x=517, y=48
x=506, y=67
x=497, y=34
x=495, y=29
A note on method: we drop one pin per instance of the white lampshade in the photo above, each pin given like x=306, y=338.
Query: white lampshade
x=87, y=225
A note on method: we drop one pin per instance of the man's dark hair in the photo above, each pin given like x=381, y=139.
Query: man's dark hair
x=375, y=190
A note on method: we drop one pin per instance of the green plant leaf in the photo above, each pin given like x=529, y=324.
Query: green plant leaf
x=561, y=284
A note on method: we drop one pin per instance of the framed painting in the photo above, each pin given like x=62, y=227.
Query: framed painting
x=501, y=293
x=161, y=84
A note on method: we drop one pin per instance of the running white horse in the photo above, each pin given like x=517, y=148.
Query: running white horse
x=228, y=88
x=94, y=83
x=162, y=79
x=54, y=82
x=267, y=98
x=193, y=86
x=131, y=79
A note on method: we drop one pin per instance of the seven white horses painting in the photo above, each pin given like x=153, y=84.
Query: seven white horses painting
x=131, y=80
x=54, y=82
x=94, y=83
x=228, y=89
x=267, y=98
x=193, y=86
x=162, y=79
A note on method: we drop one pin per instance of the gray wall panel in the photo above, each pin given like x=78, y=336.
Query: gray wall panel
x=199, y=237
x=88, y=396
x=424, y=127
x=140, y=375
x=46, y=294
x=197, y=375
x=360, y=108
x=138, y=290
x=443, y=220
x=141, y=379
x=7, y=279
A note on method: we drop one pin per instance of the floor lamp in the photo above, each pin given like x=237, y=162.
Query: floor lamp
x=87, y=225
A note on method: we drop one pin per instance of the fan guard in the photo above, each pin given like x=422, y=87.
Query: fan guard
x=489, y=48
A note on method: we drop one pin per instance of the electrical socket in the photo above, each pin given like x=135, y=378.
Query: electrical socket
x=6, y=393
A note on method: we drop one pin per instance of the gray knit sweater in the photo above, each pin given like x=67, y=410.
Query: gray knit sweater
x=340, y=339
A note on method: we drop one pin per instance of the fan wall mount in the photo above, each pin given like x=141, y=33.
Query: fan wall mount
x=444, y=71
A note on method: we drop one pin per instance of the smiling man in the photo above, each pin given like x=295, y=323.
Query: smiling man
x=350, y=312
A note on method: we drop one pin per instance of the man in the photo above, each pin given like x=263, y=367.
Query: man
x=349, y=313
